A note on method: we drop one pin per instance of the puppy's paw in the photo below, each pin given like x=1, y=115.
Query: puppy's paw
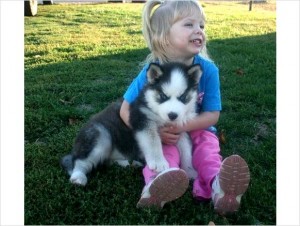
x=158, y=165
x=78, y=178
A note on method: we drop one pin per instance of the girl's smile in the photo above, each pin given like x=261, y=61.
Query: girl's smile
x=197, y=42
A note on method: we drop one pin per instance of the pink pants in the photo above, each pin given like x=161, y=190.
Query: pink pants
x=206, y=161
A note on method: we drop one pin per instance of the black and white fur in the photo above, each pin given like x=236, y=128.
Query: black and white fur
x=169, y=96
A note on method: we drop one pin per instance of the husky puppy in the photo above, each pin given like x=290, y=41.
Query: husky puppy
x=170, y=96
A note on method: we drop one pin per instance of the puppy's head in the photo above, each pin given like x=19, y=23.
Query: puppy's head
x=172, y=91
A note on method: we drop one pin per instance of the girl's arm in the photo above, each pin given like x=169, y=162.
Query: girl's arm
x=124, y=113
x=170, y=133
x=201, y=121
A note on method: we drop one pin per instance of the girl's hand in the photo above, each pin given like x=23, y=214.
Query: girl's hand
x=169, y=134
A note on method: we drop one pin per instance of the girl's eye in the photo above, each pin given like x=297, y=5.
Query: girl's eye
x=189, y=25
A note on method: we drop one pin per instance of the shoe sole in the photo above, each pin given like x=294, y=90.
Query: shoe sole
x=234, y=180
x=165, y=188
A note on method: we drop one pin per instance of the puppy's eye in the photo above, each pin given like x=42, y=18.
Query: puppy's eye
x=163, y=97
x=183, y=98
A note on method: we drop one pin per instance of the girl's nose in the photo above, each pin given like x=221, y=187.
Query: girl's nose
x=198, y=30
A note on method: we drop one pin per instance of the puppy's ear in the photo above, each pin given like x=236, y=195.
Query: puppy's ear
x=195, y=73
x=154, y=72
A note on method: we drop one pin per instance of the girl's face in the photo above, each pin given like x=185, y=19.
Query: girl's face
x=186, y=38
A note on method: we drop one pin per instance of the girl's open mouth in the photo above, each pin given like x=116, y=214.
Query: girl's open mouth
x=197, y=42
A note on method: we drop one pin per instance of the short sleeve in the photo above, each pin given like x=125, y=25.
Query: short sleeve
x=136, y=86
x=212, y=95
x=209, y=86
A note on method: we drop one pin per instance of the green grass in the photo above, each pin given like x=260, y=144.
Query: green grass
x=79, y=58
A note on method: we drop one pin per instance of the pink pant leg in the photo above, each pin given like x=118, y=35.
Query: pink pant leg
x=206, y=161
x=172, y=156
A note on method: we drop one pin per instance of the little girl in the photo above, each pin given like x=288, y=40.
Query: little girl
x=174, y=31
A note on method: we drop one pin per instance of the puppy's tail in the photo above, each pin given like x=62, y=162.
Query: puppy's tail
x=67, y=162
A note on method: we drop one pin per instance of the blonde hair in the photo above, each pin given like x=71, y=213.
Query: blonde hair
x=157, y=22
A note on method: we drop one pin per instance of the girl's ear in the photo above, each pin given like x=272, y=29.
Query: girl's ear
x=154, y=72
x=195, y=73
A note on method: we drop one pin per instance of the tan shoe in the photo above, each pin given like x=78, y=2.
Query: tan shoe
x=168, y=185
x=229, y=186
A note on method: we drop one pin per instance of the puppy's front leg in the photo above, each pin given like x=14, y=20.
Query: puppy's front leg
x=185, y=149
x=150, y=145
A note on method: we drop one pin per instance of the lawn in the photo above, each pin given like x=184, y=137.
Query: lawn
x=79, y=58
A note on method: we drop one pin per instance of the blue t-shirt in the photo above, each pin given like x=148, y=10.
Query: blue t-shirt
x=209, y=97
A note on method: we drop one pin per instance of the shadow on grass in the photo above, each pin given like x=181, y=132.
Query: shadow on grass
x=60, y=92
x=60, y=97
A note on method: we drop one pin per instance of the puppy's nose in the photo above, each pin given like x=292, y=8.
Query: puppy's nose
x=172, y=116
